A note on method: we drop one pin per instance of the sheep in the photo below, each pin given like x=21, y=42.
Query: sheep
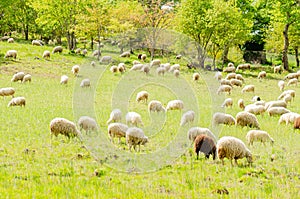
x=241, y=104
x=225, y=82
x=277, y=111
x=7, y=91
x=174, y=67
x=135, y=62
x=64, y=127
x=160, y=70
x=115, y=116
x=18, y=76
x=218, y=75
x=155, y=106
x=176, y=73
x=142, y=57
x=236, y=82
x=175, y=105
x=121, y=67
x=277, y=69
x=187, y=117
x=281, y=85
x=155, y=62
x=142, y=96
x=297, y=123
x=262, y=75
x=230, y=76
x=232, y=148
x=229, y=69
x=75, y=70
x=224, y=89
x=134, y=119
x=46, y=54
x=205, y=144
x=288, y=98
x=78, y=51
x=243, y=67
x=248, y=88
x=288, y=118
x=146, y=69
x=196, y=76
x=245, y=118
x=178, y=56
x=85, y=83
x=223, y=118
x=227, y=103
x=36, y=43
x=258, y=136
x=137, y=67
x=292, y=76
x=93, y=63
x=255, y=109
x=106, y=59
x=26, y=78
x=57, y=49
x=255, y=98
x=10, y=40
x=11, y=53
x=240, y=77
x=278, y=103
x=195, y=131
x=113, y=69
x=84, y=52
x=64, y=79
x=88, y=124
x=125, y=54
x=117, y=130
x=135, y=136
x=292, y=81
x=96, y=53
x=284, y=93
x=17, y=101
x=166, y=66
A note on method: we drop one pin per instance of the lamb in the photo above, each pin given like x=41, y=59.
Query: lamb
x=236, y=82
x=230, y=76
x=245, y=118
x=174, y=67
x=281, y=85
x=248, y=88
x=64, y=79
x=243, y=67
x=176, y=73
x=196, y=76
x=205, y=144
x=288, y=118
x=115, y=116
x=26, y=78
x=187, y=117
x=277, y=69
x=277, y=111
x=135, y=136
x=241, y=104
x=218, y=75
x=232, y=148
x=142, y=96
x=125, y=54
x=195, y=131
x=17, y=101
x=78, y=51
x=11, y=53
x=223, y=118
x=134, y=119
x=292, y=81
x=160, y=70
x=10, y=40
x=262, y=75
x=297, y=123
x=36, y=43
x=284, y=93
x=88, y=124
x=278, y=103
x=106, y=59
x=18, y=76
x=121, y=67
x=258, y=136
x=113, y=69
x=46, y=54
x=240, y=77
x=227, y=103
x=93, y=63
x=155, y=62
x=175, y=105
x=117, y=130
x=7, y=91
x=84, y=52
x=85, y=83
x=224, y=89
x=64, y=127
x=75, y=70
x=156, y=106
x=57, y=49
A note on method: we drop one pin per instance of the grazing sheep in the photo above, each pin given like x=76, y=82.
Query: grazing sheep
x=64, y=127
x=26, y=78
x=106, y=59
x=155, y=62
x=176, y=73
x=64, y=79
x=115, y=116
x=146, y=69
x=224, y=89
x=93, y=63
x=75, y=70
x=297, y=123
x=88, y=124
x=137, y=67
x=85, y=83
x=78, y=51
x=277, y=111
x=187, y=117
x=262, y=75
x=57, y=49
x=230, y=76
x=258, y=136
x=240, y=77
x=255, y=98
x=178, y=56
x=7, y=91
x=113, y=69
x=281, y=85
x=241, y=104
x=196, y=76
x=125, y=54
x=155, y=106
x=174, y=105
x=277, y=69
x=117, y=130
x=292, y=81
x=230, y=68
x=255, y=109
x=142, y=96
x=247, y=119
x=206, y=145
x=17, y=101
x=292, y=76
x=243, y=67
x=36, y=43
x=288, y=98
x=232, y=148
x=96, y=53
x=236, y=82
x=160, y=70
x=284, y=93
x=46, y=54
x=11, y=53
x=218, y=75
x=225, y=82
x=135, y=136
x=195, y=131
x=223, y=118
x=278, y=103
x=18, y=76
x=142, y=57
x=174, y=67
x=248, y=88
x=84, y=52
x=121, y=67
x=227, y=103
x=288, y=118
x=134, y=119
x=10, y=40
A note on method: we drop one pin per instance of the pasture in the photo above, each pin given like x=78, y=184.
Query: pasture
x=34, y=166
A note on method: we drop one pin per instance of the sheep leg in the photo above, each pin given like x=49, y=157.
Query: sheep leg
x=235, y=161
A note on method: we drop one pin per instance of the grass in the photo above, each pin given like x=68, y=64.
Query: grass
x=31, y=167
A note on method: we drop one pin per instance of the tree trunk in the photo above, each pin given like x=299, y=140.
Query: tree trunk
x=297, y=56
x=225, y=55
x=26, y=31
x=92, y=43
x=285, y=61
x=99, y=42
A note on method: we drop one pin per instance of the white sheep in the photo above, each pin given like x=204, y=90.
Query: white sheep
x=225, y=82
x=114, y=69
x=195, y=131
x=121, y=67
x=64, y=127
x=117, y=130
x=196, y=76
x=57, y=49
x=115, y=116
x=88, y=124
x=255, y=109
x=133, y=118
x=244, y=118
x=227, y=103
x=46, y=54
x=84, y=52
x=277, y=69
x=230, y=76
x=174, y=67
x=10, y=40
x=78, y=51
x=93, y=63
x=255, y=98
x=284, y=93
x=241, y=104
x=96, y=53
x=258, y=136
x=75, y=70
x=224, y=89
x=160, y=70
x=155, y=106
x=17, y=101
x=11, y=53
x=218, y=75
x=155, y=62
x=293, y=81
x=135, y=62
x=143, y=57
x=106, y=59
x=125, y=54
x=26, y=78
x=277, y=111
x=288, y=118
x=175, y=105
x=137, y=67
x=278, y=103
x=243, y=67
x=248, y=88
x=281, y=85
x=223, y=118
x=18, y=76
x=7, y=91
x=232, y=148
x=261, y=102
x=146, y=69
x=240, y=77
x=135, y=136
x=142, y=96
x=85, y=83
x=187, y=117
x=292, y=76
x=229, y=69
x=262, y=75
x=288, y=98
x=236, y=82
x=176, y=73
x=64, y=79
x=36, y=43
